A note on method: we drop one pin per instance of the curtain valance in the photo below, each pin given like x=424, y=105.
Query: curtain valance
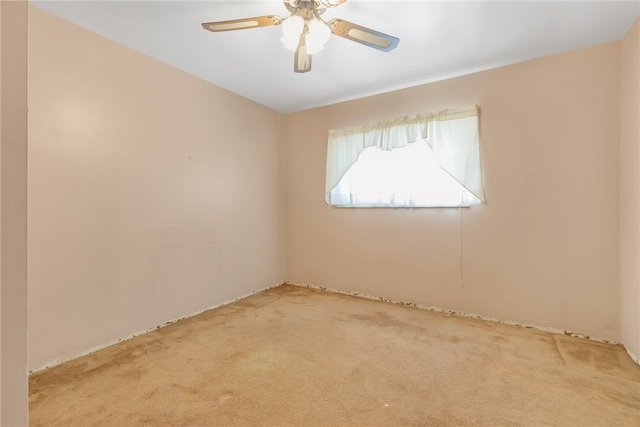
x=453, y=136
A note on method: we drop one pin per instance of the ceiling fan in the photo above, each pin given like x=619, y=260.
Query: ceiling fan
x=305, y=32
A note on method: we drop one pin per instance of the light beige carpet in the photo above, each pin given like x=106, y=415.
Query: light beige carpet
x=293, y=356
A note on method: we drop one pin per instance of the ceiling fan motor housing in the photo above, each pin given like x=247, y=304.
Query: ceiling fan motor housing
x=307, y=9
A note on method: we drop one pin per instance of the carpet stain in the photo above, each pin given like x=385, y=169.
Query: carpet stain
x=453, y=339
x=294, y=356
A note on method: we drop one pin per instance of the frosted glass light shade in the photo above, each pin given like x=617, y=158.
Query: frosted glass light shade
x=292, y=28
x=318, y=36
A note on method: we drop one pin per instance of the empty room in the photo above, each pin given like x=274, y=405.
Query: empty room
x=319, y=212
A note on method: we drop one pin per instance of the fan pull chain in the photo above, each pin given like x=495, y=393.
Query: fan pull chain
x=461, y=243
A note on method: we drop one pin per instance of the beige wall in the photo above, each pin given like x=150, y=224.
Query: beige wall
x=150, y=197
x=544, y=250
x=13, y=213
x=630, y=190
x=152, y=194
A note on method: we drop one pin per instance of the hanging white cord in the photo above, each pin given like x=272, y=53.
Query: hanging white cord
x=461, y=242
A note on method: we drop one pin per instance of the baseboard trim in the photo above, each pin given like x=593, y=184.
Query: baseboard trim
x=145, y=331
x=461, y=314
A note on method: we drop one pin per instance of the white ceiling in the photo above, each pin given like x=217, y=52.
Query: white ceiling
x=438, y=40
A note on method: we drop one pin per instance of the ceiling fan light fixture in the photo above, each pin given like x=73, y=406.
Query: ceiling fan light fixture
x=291, y=30
x=317, y=36
x=304, y=32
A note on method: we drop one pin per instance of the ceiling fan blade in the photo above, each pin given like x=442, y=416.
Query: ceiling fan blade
x=302, y=60
x=360, y=34
x=241, y=24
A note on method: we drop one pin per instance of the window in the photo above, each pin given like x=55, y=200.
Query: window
x=431, y=160
x=403, y=177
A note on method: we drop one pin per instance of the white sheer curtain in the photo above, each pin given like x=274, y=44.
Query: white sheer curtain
x=452, y=135
x=403, y=177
